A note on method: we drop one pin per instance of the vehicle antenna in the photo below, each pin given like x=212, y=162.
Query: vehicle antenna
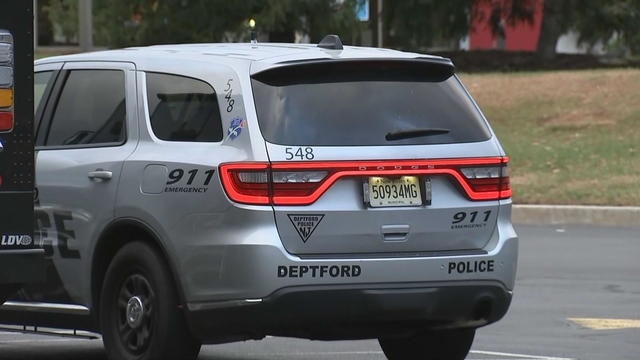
x=254, y=36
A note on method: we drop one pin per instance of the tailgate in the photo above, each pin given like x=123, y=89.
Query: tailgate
x=378, y=157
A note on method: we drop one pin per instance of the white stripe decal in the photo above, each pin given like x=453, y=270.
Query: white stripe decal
x=537, y=357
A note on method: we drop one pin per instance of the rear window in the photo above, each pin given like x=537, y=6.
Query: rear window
x=183, y=109
x=365, y=103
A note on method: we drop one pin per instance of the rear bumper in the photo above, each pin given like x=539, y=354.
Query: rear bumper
x=19, y=267
x=236, y=290
x=338, y=312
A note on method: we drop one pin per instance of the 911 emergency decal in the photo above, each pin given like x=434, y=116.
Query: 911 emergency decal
x=305, y=224
x=193, y=184
x=319, y=271
x=470, y=220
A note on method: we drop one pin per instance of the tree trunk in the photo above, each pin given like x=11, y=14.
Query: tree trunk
x=551, y=28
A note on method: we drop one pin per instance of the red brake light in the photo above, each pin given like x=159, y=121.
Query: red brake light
x=491, y=180
x=246, y=183
x=6, y=121
x=302, y=183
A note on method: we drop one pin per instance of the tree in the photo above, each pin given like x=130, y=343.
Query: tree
x=144, y=22
x=281, y=19
x=415, y=24
x=613, y=22
x=594, y=20
x=64, y=16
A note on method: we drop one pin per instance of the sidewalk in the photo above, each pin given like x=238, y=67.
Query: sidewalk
x=622, y=216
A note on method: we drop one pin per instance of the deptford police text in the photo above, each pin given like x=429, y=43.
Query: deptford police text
x=319, y=271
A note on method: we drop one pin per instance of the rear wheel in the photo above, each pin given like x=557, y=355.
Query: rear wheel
x=139, y=313
x=434, y=345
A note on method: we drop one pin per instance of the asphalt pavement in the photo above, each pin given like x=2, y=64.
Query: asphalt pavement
x=577, y=297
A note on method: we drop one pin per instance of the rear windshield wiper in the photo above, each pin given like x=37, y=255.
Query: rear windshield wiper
x=413, y=133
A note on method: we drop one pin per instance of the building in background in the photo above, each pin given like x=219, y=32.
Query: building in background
x=522, y=36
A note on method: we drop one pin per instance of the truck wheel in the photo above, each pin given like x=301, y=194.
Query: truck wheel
x=435, y=345
x=140, y=316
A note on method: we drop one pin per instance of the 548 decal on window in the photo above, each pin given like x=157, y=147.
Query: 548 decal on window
x=228, y=91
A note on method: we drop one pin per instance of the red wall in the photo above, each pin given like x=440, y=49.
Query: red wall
x=521, y=37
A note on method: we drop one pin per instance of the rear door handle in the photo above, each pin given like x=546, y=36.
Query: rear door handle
x=100, y=174
x=395, y=232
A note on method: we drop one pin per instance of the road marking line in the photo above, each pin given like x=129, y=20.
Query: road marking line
x=523, y=356
x=36, y=341
x=322, y=353
x=316, y=353
x=511, y=356
x=606, y=324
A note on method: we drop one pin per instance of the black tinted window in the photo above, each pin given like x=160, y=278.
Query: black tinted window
x=353, y=103
x=183, y=109
x=41, y=81
x=91, y=109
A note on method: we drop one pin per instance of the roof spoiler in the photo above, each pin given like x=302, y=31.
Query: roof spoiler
x=430, y=69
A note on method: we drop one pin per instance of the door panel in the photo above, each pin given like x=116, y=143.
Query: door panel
x=91, y=132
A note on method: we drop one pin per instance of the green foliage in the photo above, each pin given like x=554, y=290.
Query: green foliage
x=143, y=22
x=606, y=20
x=316, y=18
x=416, y=24
x=63, y=13
x=615, y=23
x=408, y=24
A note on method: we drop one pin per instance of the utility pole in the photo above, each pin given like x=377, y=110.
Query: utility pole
x=85, y=19
x=35, y=25
x=379, y=17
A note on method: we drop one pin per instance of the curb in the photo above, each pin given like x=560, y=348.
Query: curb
x=623, y=216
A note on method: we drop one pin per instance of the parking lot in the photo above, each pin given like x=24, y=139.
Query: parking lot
x=577, y=297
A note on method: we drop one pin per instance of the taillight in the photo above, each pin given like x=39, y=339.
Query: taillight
x=488, y=182
x=302, y=183
x=6, y=121
x=6, y=81
x=246, y=183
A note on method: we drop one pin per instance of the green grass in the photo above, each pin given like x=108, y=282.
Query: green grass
x=48, y=53
x=573, y=136
x=40, y=55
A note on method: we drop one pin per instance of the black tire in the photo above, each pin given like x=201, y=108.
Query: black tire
x=156, y=330
x=435, y=345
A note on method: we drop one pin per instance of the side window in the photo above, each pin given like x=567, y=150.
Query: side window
x=183, y=109
x=91, y=109
x=40, y=82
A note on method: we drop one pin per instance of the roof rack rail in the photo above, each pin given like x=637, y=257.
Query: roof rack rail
x=331, y=42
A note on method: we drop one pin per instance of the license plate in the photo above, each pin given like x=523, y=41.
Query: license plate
x=400, y=191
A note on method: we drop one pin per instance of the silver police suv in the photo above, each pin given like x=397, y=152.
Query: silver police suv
x=208, y=193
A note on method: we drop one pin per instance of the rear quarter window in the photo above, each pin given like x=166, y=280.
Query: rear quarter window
x=353, y=103
x=183, y=109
